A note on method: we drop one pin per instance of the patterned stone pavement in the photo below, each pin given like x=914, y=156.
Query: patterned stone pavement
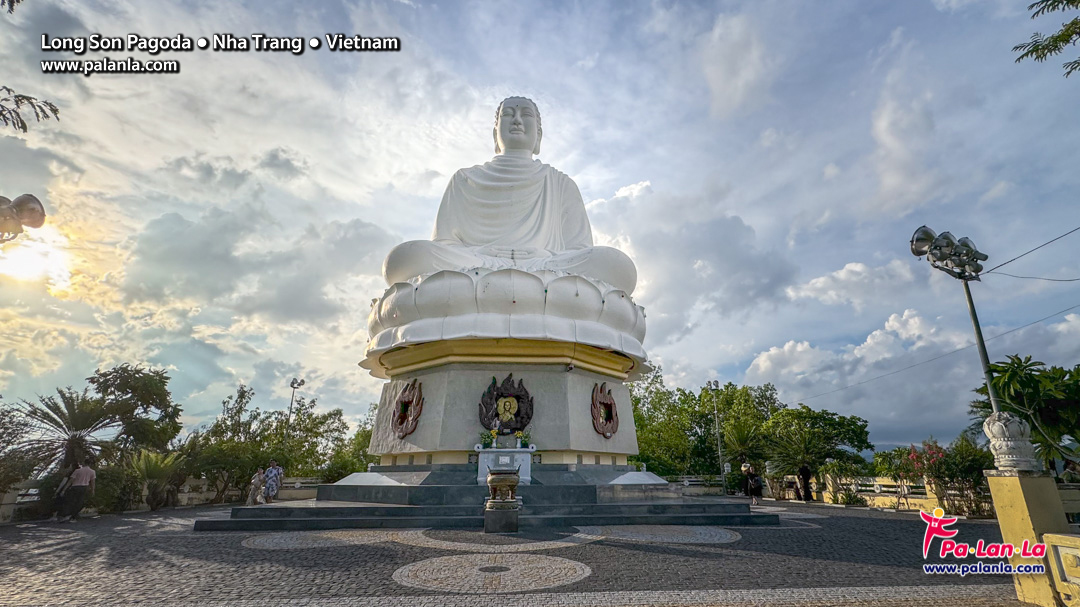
x=819, y=556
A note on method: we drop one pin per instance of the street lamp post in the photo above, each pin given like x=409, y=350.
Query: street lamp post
x=24, y=211
x=713, y=387
x=295, y=383
x=1010, y=436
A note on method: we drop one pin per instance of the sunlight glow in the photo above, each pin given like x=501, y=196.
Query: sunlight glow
x=40, y=254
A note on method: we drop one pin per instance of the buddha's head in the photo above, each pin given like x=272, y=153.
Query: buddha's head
x=517, y=126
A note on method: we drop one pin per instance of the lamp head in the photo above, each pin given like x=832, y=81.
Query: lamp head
x=921, y=241
x=942, y=247
x=30, y=211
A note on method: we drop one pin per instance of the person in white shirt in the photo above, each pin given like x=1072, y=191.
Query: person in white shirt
x=81, y=485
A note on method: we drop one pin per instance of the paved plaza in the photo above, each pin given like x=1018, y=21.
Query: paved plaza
x=818, y=556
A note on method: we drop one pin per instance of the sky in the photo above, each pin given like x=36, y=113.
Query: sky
x=764, y=164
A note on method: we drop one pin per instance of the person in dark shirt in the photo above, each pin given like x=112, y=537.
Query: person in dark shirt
x=753, y=486
x=804, y=480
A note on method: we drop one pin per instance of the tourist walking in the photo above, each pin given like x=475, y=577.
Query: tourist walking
x=58, y=496
x=804, y=480
x=745, y=479
x=81, y=485
x=255, y=492
x=274, y=476
x=753, y=486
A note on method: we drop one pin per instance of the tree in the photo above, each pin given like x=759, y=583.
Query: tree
x=69, y=428
x=1048, y=399
x=156, y=471
x=141, y=403
x=228, y=464
x=309, y=438
x=899, y=465
x=352, y=455
x=242, y=439
x=677, y=428
x=1040, y=48
x=665, y=426
x=956, y=474
x=805, y=436
x=792, y=447
x=12, y=103
x=15, y=463
x=743, y=441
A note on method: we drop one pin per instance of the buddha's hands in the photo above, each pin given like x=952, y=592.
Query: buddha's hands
x=506, y=252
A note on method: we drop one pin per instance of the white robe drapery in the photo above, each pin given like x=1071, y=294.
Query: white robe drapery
x=513, y=203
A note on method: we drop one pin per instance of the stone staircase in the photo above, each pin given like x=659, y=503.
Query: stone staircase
x=309, y=515
x=446, y=496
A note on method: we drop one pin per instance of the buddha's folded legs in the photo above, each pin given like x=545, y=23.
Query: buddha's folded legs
x=418, y=257
x=602, y=263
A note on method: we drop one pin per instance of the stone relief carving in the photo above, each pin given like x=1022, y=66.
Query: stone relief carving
x=410, y=403
x=605, y=415
x=506, y=408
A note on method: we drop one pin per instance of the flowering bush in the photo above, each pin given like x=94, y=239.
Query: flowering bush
x=899, y=465
x=956, y=474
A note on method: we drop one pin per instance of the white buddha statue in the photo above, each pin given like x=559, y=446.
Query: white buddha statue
x=512, y=212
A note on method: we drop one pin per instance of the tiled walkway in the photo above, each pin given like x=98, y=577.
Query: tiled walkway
x=819, y=556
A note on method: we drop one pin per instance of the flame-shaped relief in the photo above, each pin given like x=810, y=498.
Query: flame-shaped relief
x=605, y=414
x=409, y=405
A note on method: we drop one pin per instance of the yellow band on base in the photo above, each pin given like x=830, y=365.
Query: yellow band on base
x=506, y=351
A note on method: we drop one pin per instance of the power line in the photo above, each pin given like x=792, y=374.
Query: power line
x=1034, y=277
x=1033, y=250
x=866, y=381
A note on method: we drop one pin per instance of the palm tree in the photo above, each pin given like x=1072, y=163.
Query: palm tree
x=157, y=471
x=795, y=447
x=68, y=428
x=743, y=440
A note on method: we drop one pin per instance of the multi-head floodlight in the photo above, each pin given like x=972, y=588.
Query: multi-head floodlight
x=24, y=211
x=958, y=258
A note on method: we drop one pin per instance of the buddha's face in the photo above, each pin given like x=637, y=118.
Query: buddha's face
x=517, y=126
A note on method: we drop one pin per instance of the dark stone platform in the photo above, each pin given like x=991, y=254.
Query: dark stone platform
x=447, y=497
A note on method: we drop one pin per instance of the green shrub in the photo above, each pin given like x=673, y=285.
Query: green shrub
x=340, y=466
x=735, y=481
x=116, y=489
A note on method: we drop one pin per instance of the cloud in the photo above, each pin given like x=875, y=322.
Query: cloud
x=952, y=6
x=903, y=128
x=998, y=190
x=226, y=258
x=858, y=284
x=692, y=258
x=904, y=131
x=282, y=164
x=174, y=257
x=882, y=378
x=737, y=64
